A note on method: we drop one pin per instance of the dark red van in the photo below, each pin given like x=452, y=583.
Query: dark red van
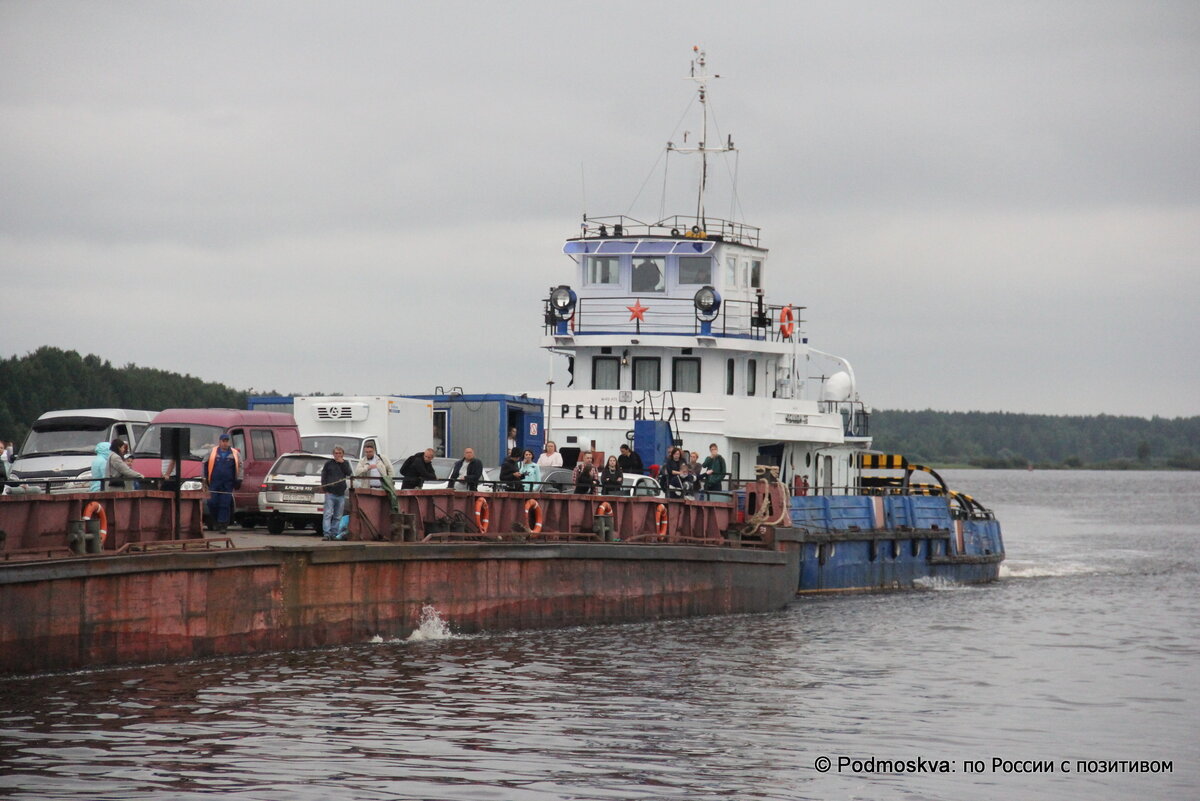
x=259, y=436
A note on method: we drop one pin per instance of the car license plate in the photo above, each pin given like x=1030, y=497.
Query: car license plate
x=296, y=497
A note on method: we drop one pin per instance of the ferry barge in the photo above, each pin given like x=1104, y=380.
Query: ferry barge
x=668, y=332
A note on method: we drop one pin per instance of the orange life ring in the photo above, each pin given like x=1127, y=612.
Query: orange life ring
x=787, y=322
x=604, y=509
x=660, y=521
x=532, y=505
x=95, y=506
x=481, y=514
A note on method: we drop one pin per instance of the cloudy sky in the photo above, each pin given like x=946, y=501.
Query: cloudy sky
x=989, y=206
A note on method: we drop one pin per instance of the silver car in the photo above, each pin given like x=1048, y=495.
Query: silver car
x=291, y=492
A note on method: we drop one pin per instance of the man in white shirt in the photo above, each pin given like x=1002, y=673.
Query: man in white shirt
x=374, y=466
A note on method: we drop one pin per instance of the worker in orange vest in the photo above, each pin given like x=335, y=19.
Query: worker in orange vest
x=223, y=471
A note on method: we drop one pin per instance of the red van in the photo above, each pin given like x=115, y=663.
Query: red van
x=260, y=437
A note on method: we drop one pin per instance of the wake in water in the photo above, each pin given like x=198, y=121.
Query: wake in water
x=939, y=584
x=1023, y=570
x=432, y=626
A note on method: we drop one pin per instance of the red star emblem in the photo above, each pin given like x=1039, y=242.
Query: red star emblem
x=637, y=311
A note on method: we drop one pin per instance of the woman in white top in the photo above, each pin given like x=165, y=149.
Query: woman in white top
x=551, y=458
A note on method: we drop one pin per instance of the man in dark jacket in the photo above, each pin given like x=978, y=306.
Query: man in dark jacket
x=629, y=461
x=417, y=469
x=467, y=471
x=333, y=483
x=510, y=471
x=714, y=469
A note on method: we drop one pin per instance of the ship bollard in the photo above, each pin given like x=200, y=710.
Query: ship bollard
x=83, y=536
x=602, y=526
x=91, y=538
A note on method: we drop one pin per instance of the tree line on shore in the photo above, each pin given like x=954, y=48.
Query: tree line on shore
x=51, y=378
x=1009, y=440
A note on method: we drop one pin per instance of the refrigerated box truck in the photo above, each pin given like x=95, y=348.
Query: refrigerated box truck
x=398, y=427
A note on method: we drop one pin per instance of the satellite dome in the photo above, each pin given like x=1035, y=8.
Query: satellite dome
x=837, y=387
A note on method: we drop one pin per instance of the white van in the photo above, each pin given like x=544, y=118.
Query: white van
x=59, y=450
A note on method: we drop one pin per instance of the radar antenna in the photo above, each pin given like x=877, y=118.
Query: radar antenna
x=700, y=75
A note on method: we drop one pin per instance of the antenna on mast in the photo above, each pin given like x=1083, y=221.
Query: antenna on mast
x=701, y=77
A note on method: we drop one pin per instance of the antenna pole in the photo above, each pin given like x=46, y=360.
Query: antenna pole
x=701, y=77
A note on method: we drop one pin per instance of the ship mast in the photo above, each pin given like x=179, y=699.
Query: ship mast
x=701, y=77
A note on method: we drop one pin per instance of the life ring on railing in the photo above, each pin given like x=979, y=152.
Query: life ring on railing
x=660, y=521
x=98, y=508
x=787, y=322
x=481, y=515
x=532, y=505
x=604, y=509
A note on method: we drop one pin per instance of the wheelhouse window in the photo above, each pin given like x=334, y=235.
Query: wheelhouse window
x=646, y=373
x=686, y=375
x=695, y=270
x=730, y=272
x=606, y=372
x=751, y=376
x=603, y=270
x=756, y=273
x=649, y=274
x=729, y=374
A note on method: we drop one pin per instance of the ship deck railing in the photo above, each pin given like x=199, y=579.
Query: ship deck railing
x=439, y=515
x=676, y=226
x=666, y=316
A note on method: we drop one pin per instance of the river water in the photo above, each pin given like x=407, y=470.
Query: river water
x=1087, y=651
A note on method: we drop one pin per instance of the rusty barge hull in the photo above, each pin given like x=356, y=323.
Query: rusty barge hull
x=154, y=607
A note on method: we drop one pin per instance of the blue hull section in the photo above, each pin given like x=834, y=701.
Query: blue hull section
x=884, y=542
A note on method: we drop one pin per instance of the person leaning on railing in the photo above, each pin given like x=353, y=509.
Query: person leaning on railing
x=612, y=478
x=584, y=478
x=713, y=469
x=100, y=466
x=510, y=471
x=118, y=471
x=531, y=473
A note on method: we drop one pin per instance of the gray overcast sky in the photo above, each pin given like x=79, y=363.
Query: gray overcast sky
x=989, y=206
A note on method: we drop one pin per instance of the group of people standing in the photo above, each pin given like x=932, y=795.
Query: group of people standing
x=680, y=474
x=683, y=474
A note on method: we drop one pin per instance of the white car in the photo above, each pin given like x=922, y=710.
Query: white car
x=640, y=486
x=291, y=492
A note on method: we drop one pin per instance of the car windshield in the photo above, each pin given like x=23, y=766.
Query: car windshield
x=324, y=444
x=201, y=440
x=299, y=465
x=79, y=438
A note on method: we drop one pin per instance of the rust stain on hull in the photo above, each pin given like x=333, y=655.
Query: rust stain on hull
x=172, y=606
